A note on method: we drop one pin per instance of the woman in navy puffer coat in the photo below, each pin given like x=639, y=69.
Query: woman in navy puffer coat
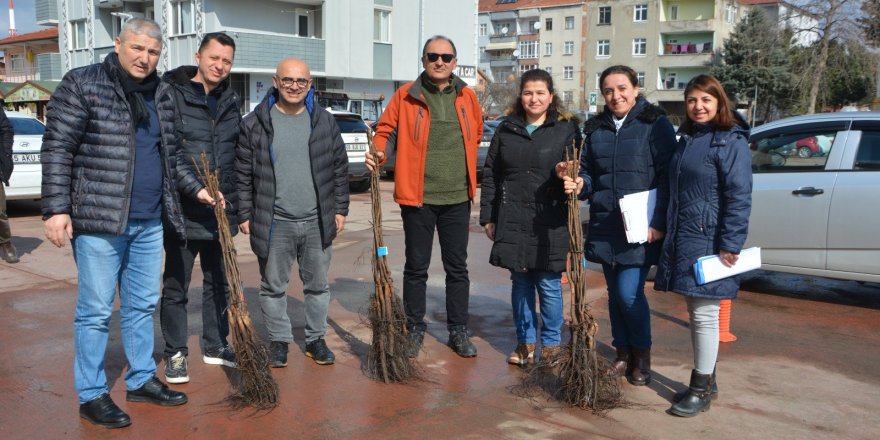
x=710, y=189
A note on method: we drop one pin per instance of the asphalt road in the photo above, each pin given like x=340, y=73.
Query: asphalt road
x=804, y=365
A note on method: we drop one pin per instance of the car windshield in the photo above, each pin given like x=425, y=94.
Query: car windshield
x=23, y=126
x=351, y=124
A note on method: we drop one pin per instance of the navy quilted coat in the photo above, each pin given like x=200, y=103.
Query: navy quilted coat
x=522, y=195
x=710, y=188
x=255, y=170
x=88, y=153
x=616, y=163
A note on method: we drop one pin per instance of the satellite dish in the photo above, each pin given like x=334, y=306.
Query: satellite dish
x=504, y=30
x=537, y=26
x=516, y=52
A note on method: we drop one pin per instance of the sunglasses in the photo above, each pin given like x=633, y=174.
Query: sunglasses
x=289, y=82
x=432, y=57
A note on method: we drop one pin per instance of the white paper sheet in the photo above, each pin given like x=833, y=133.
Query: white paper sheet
x=638, y=210
x=710, y=268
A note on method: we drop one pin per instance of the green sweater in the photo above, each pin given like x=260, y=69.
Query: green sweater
x=445, y=165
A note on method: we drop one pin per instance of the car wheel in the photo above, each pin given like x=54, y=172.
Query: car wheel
x=362, y=186
x=804, y=152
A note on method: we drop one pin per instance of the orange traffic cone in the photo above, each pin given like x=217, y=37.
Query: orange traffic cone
x=724, y=334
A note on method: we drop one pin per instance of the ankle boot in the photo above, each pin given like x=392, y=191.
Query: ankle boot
x=622, y=365
x=641, y=368
x=713, y=391
x=697, y=399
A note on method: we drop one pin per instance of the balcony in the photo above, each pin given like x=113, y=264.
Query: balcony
x=680, y=26
x=686, y=59
x=257, y=51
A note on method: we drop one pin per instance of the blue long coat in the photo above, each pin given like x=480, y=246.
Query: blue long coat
x=710, y=187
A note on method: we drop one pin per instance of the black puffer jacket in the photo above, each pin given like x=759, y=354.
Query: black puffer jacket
x=710, y=201
x=88, y=153
x=200, y=131
x=614, y=164
x=522, y=195
x=7, y=138
x=256, y=171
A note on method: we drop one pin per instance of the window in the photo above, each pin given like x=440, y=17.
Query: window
x=484, y=29
x=523, y=68
x=549, y=70
x=150, y=13
x=569, y=22
x=568, y=72
x=78, y=34
x=598, y=77
x=382, y=26
x=532, y=29
x=796, y=149
x=867, y=157
x=548, y=24
x=568, y=97
x=603, y=48
x=604, y=14
x=730, y=13
x=182, y=20
x=673, y=12
x=670, y=81
x=640, y=13
x=568, y=48
x=528, y=49
x=641, y=78
x=640, y=46
x=16, y=61
x=548, y=49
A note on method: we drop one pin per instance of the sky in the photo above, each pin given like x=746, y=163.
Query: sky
x=24, y=17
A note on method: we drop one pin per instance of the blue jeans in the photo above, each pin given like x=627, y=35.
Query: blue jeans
x=522, y=298
x=628, y=306
x=298, y=241
x=133, y=263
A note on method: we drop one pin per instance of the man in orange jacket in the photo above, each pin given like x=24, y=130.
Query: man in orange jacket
x=437, y=123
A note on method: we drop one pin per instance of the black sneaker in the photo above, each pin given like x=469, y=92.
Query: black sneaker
x=277, y=354
x=416, y=337
x=175, y=369
x=460, y=343
x=319, y=351
x=220, y=356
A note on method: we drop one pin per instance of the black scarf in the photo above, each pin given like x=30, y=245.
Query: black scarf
x=134, y=91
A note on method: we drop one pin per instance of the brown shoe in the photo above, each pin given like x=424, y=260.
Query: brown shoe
x=550, y=354
x=641, y=373
x=9, y=252
x=523, y=354
x=622, y=365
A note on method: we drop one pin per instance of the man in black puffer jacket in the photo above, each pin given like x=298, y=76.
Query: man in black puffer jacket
x=208, y=120
x=108, y=182
x=293, y=188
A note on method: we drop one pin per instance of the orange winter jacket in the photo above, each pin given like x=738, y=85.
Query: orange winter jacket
x=408, y=119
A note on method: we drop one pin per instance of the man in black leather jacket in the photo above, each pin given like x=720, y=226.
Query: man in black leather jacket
x=208, y=118
x=107, y=187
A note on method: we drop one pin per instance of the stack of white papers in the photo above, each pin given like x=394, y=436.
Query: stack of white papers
x=638, y=210
x=710, y=268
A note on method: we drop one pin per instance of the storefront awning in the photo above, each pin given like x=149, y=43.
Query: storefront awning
x=510, y=45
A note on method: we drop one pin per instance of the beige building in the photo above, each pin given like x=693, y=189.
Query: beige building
x=667, y=42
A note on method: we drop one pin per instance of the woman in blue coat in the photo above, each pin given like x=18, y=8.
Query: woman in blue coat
x=710, y=188
x=523, y=210
x=626, y=151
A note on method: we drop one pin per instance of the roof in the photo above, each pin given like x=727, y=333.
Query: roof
x=45, y=34
x=494, y=6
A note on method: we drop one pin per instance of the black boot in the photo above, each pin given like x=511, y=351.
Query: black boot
x=623, y=363
x=697, y=399
x=713, y=391
x=641, y=368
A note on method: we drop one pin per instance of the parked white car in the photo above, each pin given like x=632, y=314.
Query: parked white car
x=814, y=213
x=354, y=133
x=28, y=173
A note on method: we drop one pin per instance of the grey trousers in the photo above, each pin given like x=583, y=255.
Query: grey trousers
x=704, y=332
x=301, y=242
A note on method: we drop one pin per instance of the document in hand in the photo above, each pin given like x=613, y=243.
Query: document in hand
x=710, y=268
x=637, y=210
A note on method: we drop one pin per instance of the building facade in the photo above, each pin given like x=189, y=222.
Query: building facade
x=516, y=36
x=358, y=46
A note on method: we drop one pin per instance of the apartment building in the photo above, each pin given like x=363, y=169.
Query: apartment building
x=519, y=35
x=357, y=46
x=667, y=42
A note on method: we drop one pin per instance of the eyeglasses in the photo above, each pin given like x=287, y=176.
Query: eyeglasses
x=432, y=57
x=289, y=82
